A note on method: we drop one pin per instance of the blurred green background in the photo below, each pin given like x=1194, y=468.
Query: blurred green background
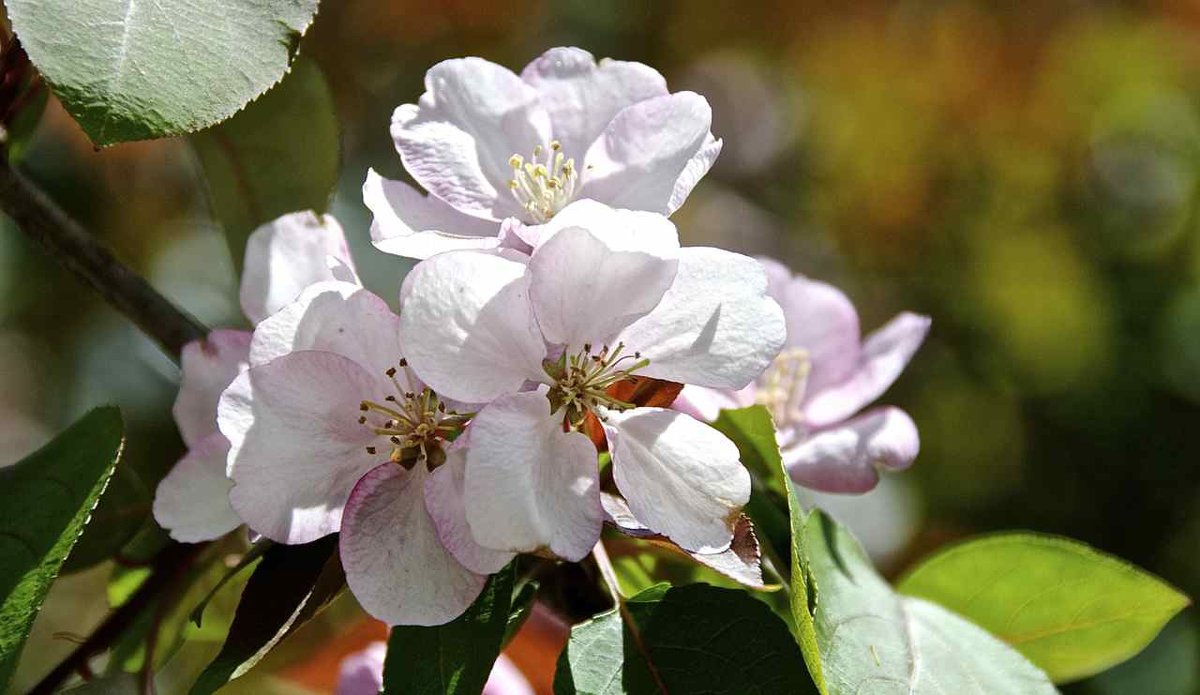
x=1027, y=173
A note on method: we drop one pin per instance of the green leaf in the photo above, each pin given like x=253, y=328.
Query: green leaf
x=803, y=597
x=455, y=658
x=45, y=501
x=278, y=156
x=1069, y=608
x=291, y=584
x=117, y=684
x=873, y=640
x=688, y=639
x=132, y=70
x=252, y=556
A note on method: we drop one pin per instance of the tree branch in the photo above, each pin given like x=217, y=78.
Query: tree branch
x=45, y=222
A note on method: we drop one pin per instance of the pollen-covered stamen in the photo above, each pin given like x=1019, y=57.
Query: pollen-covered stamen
x=582, y=379
x=543, y=186
x=414, y=424
x=782, y=386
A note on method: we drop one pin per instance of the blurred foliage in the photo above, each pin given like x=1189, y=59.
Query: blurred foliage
x=1027, y=173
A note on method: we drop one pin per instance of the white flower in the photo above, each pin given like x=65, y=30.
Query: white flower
x=489, y=145
x=282, y=258
x=608, y=294
x=824, y=376
x=330, y=431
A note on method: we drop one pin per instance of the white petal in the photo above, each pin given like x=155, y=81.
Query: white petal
x=192, y=501
x=296, y=445
x=647, y=148
x=444, y=499
x=885, y=354
x=846, y=459
x=681, y=477
x=410, y=224
x=530, y=486
x=623, y=230
x=715, y=327
x=456, y=142
x=333, y=317
x=706, y=404
x=395, y=565
x=695, y=170
x=585, y=290
x=582, y=97
x=207, y=368
x=287, y=255
x=467, y=325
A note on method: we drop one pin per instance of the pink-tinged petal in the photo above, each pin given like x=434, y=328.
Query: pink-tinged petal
x=288, y=254
x=506, y=679
x=706, y=404
x=444, y=499
x=847, y=458
x=457, y=140
x=681, y=477
x=395, y=565
x=583, y=97
x=624, y=230
x=885, y=354
x=467, y=325
x=779, y=276
x=207, y=368
x=585, y=290
x=411, y=224
x=333, y=317
x=695, y=170
x=361, y=673
x=645, y=150
x=296, y=446
x=715, y=327
x=821, y=321
x=192, y=501
x=529, y=486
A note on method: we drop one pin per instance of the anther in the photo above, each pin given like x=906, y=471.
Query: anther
x=391, y=372
x=403, y=362
x=390, y=398
x=362, y=420
x=363, y=406
x=371, y=450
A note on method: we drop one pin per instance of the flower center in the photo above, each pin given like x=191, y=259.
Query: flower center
x=781, y=387
x=414, y=424
x=543, y=186
x=581, y=380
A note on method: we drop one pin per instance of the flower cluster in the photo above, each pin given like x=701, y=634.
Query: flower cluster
x=484, y=418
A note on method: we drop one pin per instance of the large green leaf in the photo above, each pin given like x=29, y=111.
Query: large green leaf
x=45, y=501
x=805, y=590
x=289, y=586
x=278, y=156
x=688, y=639
x=455, y=658
x=132, y=70
x=873, y=640
x=1068, y=608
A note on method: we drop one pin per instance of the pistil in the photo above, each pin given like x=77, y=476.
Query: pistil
x=543, y=187
x=414, y=424
x=581, y=381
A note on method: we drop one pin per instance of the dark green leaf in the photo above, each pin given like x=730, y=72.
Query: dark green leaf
x=805, y=589
x=519, y=611
x=45, y=501
x=135, y=70
x=689, y=639
x=291, y=585
x=1069, y=608
x=118, y=684
x=256, y=551
x=873, y=640
x=278, y=156
x=455, y=658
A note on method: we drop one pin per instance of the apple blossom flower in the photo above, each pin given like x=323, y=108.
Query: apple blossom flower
x=606, y=296
x=361, y=673
x=489, y=145
x=820, y=381
x=282, y=258
x=330, y=431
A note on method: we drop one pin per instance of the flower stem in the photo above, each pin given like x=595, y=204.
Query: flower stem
x=42, y=220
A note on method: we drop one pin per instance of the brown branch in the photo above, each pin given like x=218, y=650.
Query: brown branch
x=45, y=222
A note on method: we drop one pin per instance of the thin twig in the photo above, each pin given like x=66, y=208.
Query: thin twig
x=609, y=573
x=45, y=222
